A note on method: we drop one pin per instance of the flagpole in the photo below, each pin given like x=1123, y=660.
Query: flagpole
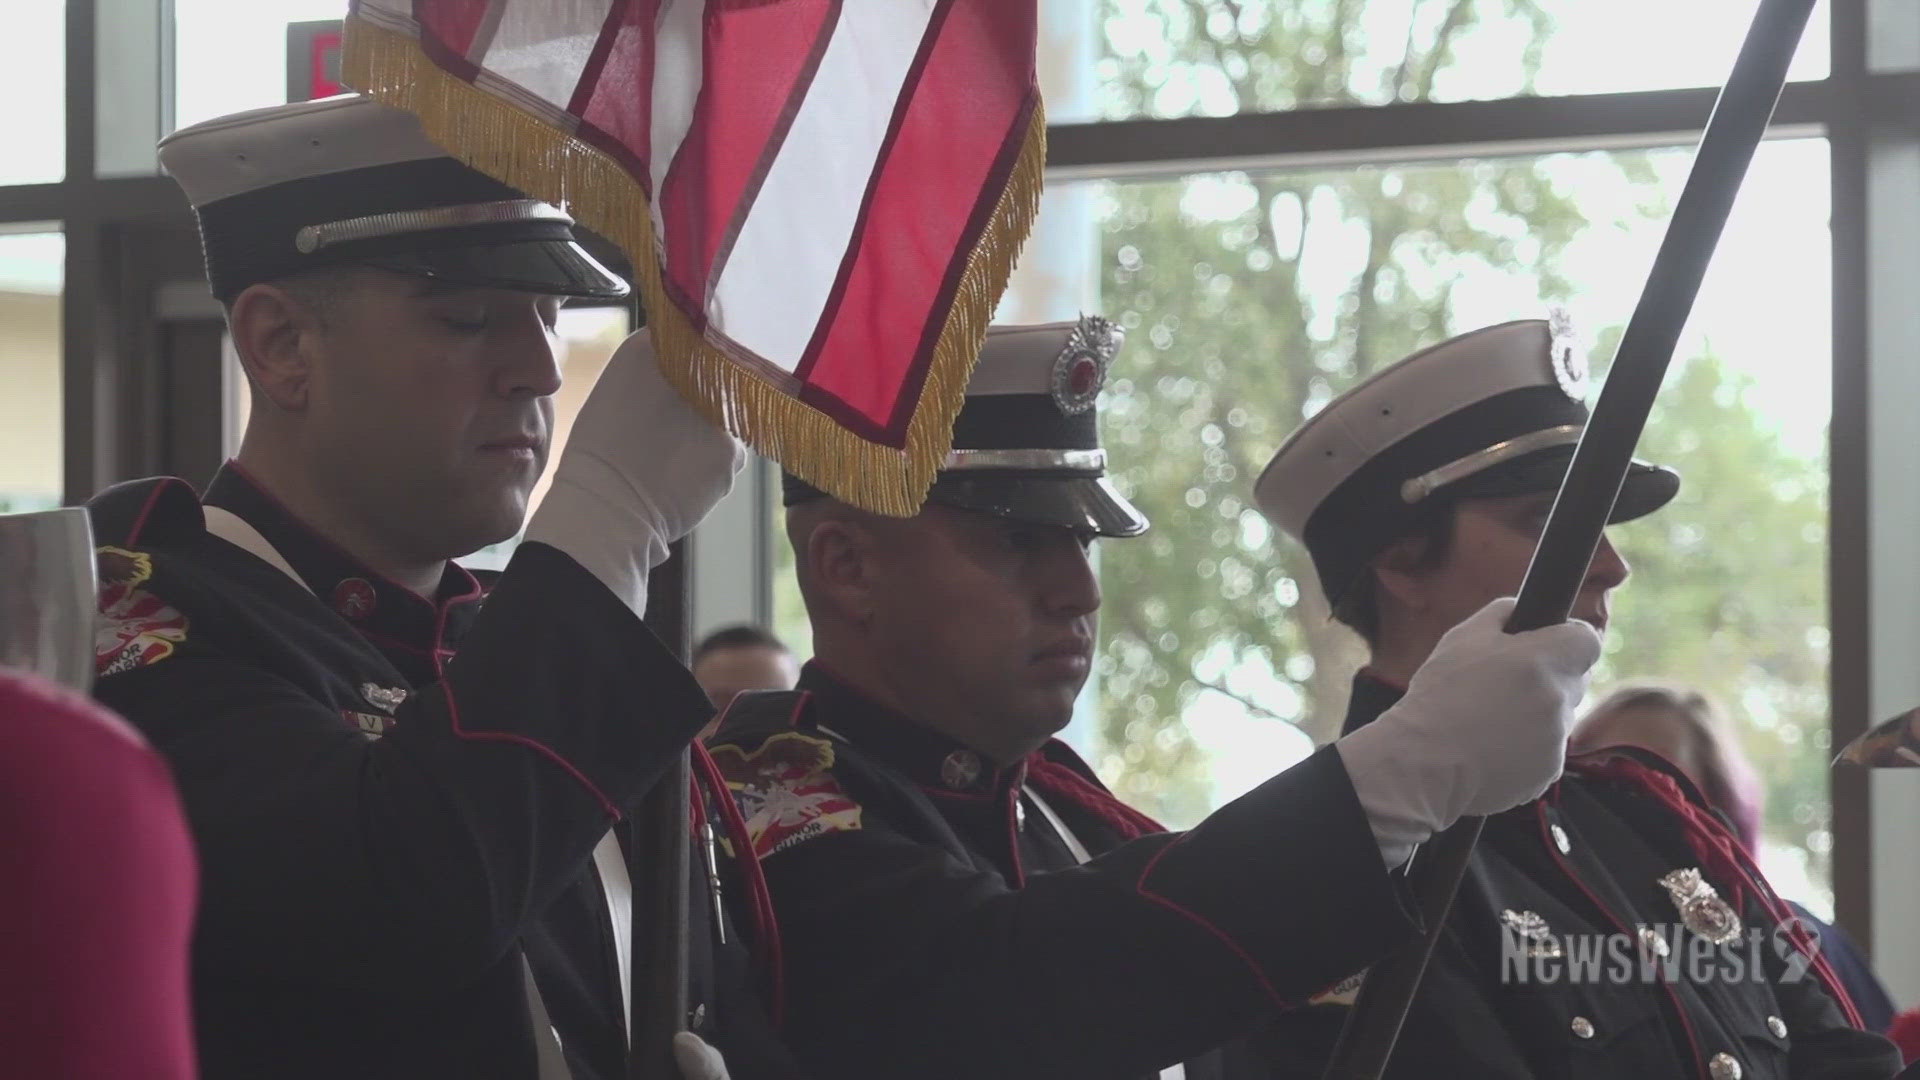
x=1593, y=480
x=660, y=862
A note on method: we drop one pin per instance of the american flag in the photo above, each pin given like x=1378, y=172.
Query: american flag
x=822, y=199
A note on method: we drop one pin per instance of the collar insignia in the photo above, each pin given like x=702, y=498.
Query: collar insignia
x=1530, y=927
x=383, y=698
x=1701, y=909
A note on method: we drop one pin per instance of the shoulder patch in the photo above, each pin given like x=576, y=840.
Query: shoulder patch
x=1345, y=992
x=136, y=628
x=786, y=791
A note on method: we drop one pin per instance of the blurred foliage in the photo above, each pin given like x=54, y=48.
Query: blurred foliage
x=1252, y=298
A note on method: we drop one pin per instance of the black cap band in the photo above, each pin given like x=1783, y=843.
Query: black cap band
x=1368, y=512
x=252, y=237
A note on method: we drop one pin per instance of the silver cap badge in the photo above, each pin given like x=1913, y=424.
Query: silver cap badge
x=1564, y=358
x=1081, y=368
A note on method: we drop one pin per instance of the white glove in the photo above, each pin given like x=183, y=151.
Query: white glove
x=640, y=470
x=1483, y=728
x=696, y=1059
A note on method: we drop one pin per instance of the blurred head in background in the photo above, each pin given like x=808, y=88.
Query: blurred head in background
x=737, y=658
x=1682, y=726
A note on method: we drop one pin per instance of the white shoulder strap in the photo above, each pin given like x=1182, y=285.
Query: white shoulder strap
x=234, y=529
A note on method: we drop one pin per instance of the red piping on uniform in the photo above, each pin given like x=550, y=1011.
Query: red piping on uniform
x=1553, y=852
x=1013, y=835
x=1057, y=779
x=768, y=924
x=440, y=621
x=1232, y=945
x=454, y=715
x=140, y=521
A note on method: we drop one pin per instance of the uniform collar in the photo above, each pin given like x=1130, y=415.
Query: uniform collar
x=1371, y=696
x=388, y=614
x=939, y=764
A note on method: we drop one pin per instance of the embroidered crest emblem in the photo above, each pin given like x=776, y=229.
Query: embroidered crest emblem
x=1530, y=927
x=1081, y=368
x=135, y=628
x=1701, y=909
x=1564, y=358
x=786, y=791
x=386, y=699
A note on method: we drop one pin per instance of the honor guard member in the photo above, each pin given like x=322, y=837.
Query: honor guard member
x=407, y=802
x=1420, y=495
x=955, y=893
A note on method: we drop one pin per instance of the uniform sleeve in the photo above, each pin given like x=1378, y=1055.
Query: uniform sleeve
x=98, y=902
x=902, y=960
x=412, y=862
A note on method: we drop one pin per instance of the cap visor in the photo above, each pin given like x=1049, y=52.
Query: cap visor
x=1645, y=489
x=548, y=267
x=1081, y=503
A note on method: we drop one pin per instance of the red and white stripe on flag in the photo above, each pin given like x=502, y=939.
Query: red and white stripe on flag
x=821, y=199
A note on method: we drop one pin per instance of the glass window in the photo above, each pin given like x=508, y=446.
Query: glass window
x=31, y=271
x=1251, y=299
x=35, y=71
x=1166, y=58
x=229, y=56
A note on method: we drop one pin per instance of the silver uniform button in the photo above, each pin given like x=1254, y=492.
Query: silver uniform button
x=1582, y=1027
x=1560, y=840
x=960, y=769
x=1777, y=1026
x=1724, y=1066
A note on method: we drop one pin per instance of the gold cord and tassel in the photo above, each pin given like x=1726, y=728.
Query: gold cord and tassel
x=496, y=137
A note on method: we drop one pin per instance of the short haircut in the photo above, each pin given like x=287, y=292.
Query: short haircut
x=321, y=288
x=1359, y=607
x=742, y=636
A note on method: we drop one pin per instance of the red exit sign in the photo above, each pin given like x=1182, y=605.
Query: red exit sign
x=313, y=59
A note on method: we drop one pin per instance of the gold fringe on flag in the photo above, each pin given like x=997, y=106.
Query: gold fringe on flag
x=492, y=135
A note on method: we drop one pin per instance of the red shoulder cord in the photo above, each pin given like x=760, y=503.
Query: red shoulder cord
x=1057, y=780
x=1722, y=855
x=766, y=925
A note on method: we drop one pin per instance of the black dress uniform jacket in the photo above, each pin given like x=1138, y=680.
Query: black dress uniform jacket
x=386, y=827
x=1587, y=860
x=935, y=924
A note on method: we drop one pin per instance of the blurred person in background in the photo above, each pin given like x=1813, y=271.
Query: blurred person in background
x=1685, y=728
x=743, y=657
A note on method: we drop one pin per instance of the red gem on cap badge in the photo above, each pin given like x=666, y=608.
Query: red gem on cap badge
x=354, y=598
x=1081, y=368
